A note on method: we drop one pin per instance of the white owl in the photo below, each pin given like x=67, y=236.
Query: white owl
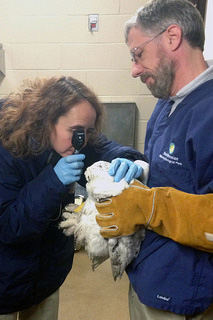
x=121, y=251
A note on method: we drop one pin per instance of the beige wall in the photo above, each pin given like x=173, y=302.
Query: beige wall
x=51, y=37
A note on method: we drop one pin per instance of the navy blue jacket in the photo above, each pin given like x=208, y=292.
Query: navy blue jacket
x=35, y=256
x=167, y=275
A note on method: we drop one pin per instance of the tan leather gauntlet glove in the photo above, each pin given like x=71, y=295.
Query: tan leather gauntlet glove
x=183, y=217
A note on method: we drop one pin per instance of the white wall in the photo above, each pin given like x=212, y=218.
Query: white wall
x=51, y=37
x=208, y=49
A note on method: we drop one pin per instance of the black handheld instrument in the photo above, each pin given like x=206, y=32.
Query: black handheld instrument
x=78, y=139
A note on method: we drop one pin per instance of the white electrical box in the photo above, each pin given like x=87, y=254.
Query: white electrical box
x=93, y=22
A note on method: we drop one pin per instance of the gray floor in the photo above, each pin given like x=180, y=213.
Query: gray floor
x=93, y=295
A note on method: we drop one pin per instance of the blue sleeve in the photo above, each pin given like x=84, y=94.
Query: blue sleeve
x=26, y=208
x=151, y=123
x=199, y=149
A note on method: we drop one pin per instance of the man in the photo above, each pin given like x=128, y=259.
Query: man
x=172, y=276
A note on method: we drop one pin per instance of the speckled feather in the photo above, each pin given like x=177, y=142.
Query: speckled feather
x=83, y=225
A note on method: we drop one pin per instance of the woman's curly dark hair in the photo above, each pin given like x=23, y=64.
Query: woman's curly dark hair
x=29, y=114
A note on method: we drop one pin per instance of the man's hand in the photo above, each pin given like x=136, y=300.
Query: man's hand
x=186, y=218
x=124, y=168
x=120, y=215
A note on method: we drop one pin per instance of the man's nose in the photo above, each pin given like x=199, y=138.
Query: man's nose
x=137, y=69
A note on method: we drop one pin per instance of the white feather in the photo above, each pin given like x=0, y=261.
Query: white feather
x=121, y=251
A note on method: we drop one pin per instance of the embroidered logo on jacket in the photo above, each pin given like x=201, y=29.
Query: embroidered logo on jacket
x=169, y=157
x=171, y=148
x=167, y=299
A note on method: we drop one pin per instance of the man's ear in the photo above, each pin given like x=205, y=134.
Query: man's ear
x=174, y=37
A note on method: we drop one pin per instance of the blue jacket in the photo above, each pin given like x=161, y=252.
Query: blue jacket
x=167, y=275
x=35, y=256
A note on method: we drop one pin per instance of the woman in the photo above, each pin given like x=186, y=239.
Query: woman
x=36, y=172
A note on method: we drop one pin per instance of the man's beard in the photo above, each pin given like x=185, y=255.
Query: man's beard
x=163, y=79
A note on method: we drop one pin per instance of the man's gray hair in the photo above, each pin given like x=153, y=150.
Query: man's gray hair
x=158, y=15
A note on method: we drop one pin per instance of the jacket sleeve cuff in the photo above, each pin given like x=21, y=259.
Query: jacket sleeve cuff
x=145, y=174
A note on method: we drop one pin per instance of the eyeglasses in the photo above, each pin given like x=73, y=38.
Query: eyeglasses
x=142, y=46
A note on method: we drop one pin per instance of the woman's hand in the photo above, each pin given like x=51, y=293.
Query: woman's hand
x=69, y=169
